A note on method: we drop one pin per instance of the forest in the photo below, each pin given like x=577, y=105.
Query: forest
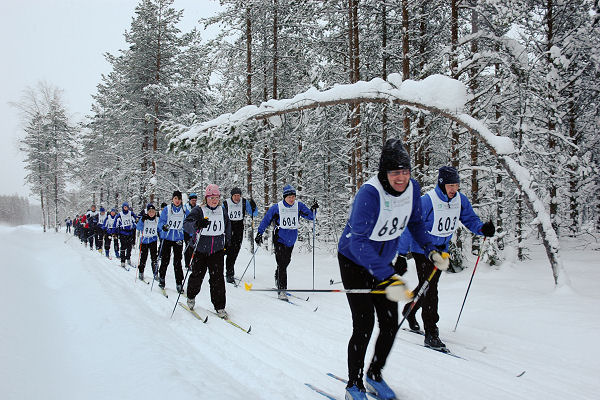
x=530, y=69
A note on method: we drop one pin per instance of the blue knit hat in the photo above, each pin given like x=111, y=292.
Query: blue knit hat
x=102, y=209
x=288, y=190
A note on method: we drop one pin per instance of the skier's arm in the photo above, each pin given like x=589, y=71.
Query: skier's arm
x=305, y=212
x=468, y=217
x=269, y=216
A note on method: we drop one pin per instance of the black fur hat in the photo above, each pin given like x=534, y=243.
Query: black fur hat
x=394, y=156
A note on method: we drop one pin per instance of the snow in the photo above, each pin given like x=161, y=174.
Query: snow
x=76, y=326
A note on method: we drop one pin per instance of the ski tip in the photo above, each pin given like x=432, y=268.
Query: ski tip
x=521, y=374
x=250, y=328
x=316, y=308
x=247, y=286
x=205, y=319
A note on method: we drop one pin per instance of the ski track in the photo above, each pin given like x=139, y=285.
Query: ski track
x=71, y=313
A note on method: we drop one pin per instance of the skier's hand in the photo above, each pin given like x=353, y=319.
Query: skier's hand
x=488, y=229
x=314, y=206
x=395, y=289
x=258, y=239
x=252, y=205
x=440, y=260
x=400, y=265
x=203, y=223
x=165, y=228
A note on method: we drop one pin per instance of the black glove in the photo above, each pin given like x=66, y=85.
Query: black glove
x=203, y=223
x=252, y=205
x=314, y=206
x=145, y=217
x=488, y=229
x=400, y=265
x=258, y=239
x=165, y=228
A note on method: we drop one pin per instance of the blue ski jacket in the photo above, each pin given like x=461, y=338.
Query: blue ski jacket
x=109, y=224
x=467, y=217
x=287, y=237
x=127, y=230
x=377, y=256
x=175, y=233
x=149, y=235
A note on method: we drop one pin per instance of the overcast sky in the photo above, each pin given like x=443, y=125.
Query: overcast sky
x=62, y=42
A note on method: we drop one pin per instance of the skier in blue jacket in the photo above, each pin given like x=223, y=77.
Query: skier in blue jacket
x=110, y=232
x=384, y=207
x=441, y=208
x=286, y=216
x=99, y=229
x=125, y=224
x=147, y=225
x=170, y=223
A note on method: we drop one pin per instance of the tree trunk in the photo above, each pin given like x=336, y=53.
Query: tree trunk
x=474, y=87
x=455, y=143
x=384, y=57
x=405, y=65
x=553, y=189
x=249, y=95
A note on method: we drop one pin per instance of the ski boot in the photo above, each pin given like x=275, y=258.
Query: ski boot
x=432, y=340
x=141, y=276
x=161, y=283
x=282, y=296
x=355, y=390
x=411, y=319
x=221, y=313
x=377, y=386
x=191, y=303
x=179, y=288
x=230, y=279
x=122, y=264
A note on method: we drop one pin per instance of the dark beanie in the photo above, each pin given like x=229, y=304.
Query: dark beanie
x=177, y=193
x=163, y=205
x=288, y=190
x=236, y=190
x=446, y=176
x=393, y=156
x=150, y=206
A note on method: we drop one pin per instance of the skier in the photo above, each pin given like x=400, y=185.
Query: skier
x=286, y=215
x=68, y=224
x=83, y=231
x=99, y=229
x=441, y=209
x=192, y=199
x=209, y=225
x=147, y=225
x=125, y=224
x=171, y=224
x=92, y=220
x=236, y=207
x=110, y=232
x=384, y=206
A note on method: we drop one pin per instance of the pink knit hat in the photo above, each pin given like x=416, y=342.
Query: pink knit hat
x=212, y=190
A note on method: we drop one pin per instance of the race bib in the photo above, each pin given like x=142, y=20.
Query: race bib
x=288, y=216
x=445, y=215
x=216, y=221
x=394, y=212
x=236, y=211
x=175, y=218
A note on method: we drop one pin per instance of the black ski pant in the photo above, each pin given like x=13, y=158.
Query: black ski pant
x=89, y=237
x=68, y=228
x=177, y=247
x=233, y=248
x=107, y=240
x=429, y=300
x=363, y=308
x=145, y=247
x=127, y=242
x=283, y=256
x=99, y=237
x=214, y=264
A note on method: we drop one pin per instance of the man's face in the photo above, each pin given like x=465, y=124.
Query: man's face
x=236, y=198
x=112, y=213
x=176, y=201
x=93, y=208
x=452, y=189
x=212, y=201
x=399, y=179
x=290, y=199
x=193, y=202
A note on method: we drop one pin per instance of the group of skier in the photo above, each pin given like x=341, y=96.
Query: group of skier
x=388, y=219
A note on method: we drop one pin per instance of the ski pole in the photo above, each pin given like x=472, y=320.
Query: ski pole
x=188, y=271
x=313, y=247
x=418, y=296
x=469, y=287
x=252, y=245
x=139, y=255
x=242, y=277
x=248, y=287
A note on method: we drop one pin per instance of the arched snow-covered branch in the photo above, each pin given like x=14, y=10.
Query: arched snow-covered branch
x=436, y=94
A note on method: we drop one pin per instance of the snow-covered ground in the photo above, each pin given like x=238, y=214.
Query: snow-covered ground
x=76, y=326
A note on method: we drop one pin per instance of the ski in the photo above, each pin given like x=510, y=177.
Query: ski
x=229, y=321
x=194, y=313
x=164, y=292
x=345, y=381
x=143, y=280
x=297, y=297
x=321, y=392
x=125, y=267
x=482, y=349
